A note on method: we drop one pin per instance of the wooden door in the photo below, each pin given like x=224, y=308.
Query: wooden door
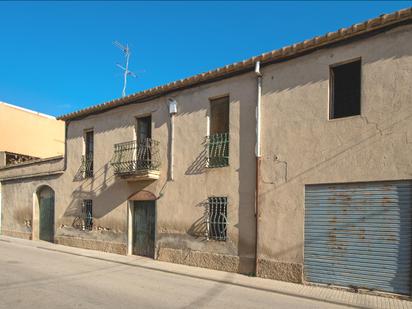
x=144, y=228
x=46, y=207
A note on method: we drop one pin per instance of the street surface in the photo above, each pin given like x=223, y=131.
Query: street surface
x=41, y=275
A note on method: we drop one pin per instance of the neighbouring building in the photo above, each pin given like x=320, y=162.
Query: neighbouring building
x=26, y=135
x=293, y=165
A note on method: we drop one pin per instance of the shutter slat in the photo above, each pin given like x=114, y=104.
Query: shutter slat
x=359, y=235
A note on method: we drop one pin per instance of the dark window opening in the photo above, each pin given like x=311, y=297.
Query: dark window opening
x=89, y=153
x=219, y=133
x=144, y=129
x=217, y=218
x=219, y=116
x=143, y=144
x=345, y=89
x=88, y=214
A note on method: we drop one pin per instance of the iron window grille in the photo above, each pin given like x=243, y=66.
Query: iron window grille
x=218, y=150
x=87, y=166
x=133, y=156
x=88, y=214
x=216, y=220
x=87, y=159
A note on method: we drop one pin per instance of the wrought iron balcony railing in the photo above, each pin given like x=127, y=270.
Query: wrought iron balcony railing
x=218, y=150
x=134, y=157
x=86, y=168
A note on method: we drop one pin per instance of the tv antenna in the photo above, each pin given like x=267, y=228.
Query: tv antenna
x=125, y=69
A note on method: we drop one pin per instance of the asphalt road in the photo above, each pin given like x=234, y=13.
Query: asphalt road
x=39, y=276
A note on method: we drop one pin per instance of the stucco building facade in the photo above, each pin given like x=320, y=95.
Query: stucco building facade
x=240, y=168
x=28, y=133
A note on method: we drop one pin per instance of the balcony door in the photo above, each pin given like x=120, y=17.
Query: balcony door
x=144, y=129
x=143, y=140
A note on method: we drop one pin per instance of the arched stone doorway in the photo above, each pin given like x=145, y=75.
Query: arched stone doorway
x=142, y=224
x=44, y=214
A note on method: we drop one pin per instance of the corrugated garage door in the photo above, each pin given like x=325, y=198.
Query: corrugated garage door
x=359, y=235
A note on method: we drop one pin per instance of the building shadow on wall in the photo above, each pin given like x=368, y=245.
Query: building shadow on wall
x=107, y=192
x=246, y=177
x=355, y=144
x=199, y=228
x=198, y=166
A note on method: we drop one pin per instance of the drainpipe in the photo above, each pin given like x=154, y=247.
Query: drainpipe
x=172, y=112
x=258, y=157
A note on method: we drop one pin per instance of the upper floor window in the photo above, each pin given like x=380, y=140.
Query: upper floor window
x=144, y=129
x=345, y=89
x=88, y=153
x=218, y=140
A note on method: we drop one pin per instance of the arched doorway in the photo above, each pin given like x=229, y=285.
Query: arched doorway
x=45, y=197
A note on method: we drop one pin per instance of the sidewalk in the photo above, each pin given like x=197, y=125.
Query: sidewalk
x=328, y=295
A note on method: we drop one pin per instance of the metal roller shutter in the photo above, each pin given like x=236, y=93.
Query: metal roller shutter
x=359, y=235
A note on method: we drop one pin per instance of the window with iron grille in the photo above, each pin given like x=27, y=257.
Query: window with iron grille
x=217, y=218
x=87, y=160
x=218, y=139
x=88, y=214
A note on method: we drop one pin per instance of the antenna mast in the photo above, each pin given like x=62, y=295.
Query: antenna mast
x=125, y=69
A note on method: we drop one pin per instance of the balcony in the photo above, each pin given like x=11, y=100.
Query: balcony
x=218, y=150
x=136, y=161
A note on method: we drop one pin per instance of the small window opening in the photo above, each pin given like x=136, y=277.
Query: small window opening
x=219, y=133
x=88, y=214
x=217, y=218
x=345, y=85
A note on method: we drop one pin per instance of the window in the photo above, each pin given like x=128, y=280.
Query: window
x=88, y=153
x=217, y=218
x=144, y=129
x=144, y=144
x=218, y=140
x=345, y=84
x=88, y=214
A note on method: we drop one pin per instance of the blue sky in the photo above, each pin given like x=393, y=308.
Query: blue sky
x=57, y=57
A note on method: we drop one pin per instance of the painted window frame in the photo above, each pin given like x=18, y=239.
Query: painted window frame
x=88, y=163
x=215, y=142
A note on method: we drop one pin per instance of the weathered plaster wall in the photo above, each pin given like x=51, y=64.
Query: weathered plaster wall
x=180, y=206
x=32, y=168
x=301, y=146
x=18, y=200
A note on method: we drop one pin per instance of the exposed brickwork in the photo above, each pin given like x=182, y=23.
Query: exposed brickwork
x=199, y=259
x=24, y=235
x=279, y=270
x=105, y=246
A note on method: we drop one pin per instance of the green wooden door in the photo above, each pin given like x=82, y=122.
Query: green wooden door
x=46, y=206
x=144, y=228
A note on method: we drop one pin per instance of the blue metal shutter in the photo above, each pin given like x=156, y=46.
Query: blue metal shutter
x=359, y=235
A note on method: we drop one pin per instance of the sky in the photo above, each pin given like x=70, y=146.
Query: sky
x=58, y=57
